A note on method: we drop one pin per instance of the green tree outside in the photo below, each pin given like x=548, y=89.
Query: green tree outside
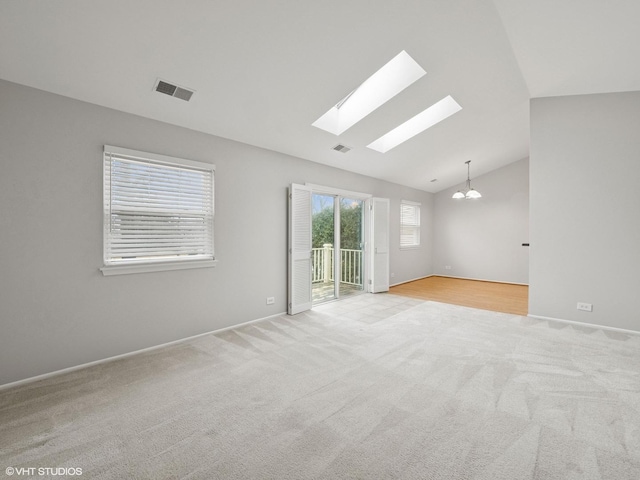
x=350, y=225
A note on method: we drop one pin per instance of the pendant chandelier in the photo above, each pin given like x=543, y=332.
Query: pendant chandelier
x=470, y=192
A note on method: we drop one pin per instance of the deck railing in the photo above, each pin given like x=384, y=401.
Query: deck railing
x=322, y=264
x=350, y=265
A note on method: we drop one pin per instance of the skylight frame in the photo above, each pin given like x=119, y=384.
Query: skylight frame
x=394, y=77
x=429, y=117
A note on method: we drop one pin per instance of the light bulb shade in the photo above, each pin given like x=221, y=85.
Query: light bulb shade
x=458, y=194
x=473, y=194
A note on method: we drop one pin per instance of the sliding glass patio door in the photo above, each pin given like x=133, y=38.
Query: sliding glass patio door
x=351, y=255
x=323, y=223
x=337, y=246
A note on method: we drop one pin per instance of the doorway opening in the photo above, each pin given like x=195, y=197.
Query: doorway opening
x=353, y=255
x=337, y=256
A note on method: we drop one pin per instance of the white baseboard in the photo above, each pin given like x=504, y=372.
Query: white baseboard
x=129, y=354
x=478, y=279
x=412, y=280
x=584, y=324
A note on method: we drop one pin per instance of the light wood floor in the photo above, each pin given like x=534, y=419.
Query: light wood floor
x=499, y=297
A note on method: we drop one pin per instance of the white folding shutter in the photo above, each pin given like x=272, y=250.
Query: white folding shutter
x=300, y=298
x=380, y=245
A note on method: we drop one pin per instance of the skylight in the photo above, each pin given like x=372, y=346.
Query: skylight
x=425, y=119
x=386, y=83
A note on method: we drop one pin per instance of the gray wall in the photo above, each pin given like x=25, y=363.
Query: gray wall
x=56, y=308
x=482, y=239
x=585, y=208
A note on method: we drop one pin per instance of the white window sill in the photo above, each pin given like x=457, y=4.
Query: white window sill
x=410, y=247
x=155, y=267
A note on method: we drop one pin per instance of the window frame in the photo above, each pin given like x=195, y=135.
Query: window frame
x=152, y=265
x=416, y=226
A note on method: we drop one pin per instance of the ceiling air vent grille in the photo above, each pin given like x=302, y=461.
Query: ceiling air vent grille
x=341, y=148
x=173, y=90
x=183, y=94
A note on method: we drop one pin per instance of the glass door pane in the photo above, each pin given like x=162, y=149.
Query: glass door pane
x=351, y=247
x=322, y=247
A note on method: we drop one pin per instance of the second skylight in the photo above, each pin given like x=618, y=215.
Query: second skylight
x=415, y=125
x=383, y=85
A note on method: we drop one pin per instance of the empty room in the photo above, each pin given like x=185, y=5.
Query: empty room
x=319, y=240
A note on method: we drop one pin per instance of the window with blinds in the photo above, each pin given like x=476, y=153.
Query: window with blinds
x=409, y=224
x=157, y=210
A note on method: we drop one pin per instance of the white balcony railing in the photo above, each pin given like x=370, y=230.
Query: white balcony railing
x=350, y=265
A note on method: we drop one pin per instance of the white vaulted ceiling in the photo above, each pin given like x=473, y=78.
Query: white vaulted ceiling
x=265, y=70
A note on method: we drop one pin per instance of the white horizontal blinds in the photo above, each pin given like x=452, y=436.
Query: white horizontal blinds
x=156, y=211
x=409, y=224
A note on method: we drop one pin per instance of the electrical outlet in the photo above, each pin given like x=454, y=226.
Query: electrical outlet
x=447, y=267
x=393, y=274
x=587, y=307
x=271, y=300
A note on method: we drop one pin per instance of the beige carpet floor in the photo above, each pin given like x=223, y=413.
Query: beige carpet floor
x=374, y=387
